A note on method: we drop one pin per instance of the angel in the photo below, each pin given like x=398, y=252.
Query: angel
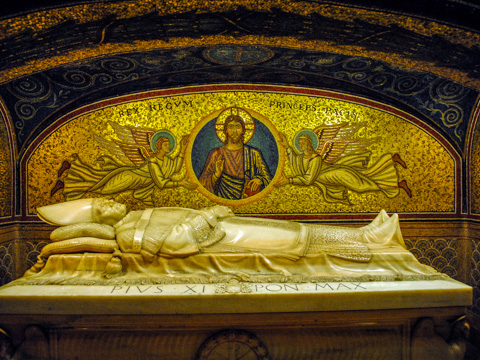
x=145, y=164
x=331, y=160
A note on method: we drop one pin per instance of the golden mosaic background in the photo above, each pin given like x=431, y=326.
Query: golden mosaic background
x=417, y=149
x=475, y=172
x=6, y=200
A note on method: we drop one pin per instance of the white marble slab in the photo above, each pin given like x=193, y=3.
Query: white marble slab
x=233, y=297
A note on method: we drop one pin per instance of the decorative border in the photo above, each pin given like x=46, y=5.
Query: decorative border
x=12, y=153
x=475, y=276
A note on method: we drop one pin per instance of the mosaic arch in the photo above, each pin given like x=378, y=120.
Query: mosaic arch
x=94, y=150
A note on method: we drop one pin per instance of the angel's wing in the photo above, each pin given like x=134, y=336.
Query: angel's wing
x=349, y=130
x=327, y=133
x=332, y=150
x=358, y=146
x=114, y=150
x=336, y=141
x=132, y=146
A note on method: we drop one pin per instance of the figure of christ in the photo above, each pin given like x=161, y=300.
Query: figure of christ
x=235, y=170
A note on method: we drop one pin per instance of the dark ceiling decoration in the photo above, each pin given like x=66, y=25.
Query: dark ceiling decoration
x=38, y=99
x=31, y=45
x=463, y=13
x=236, y=55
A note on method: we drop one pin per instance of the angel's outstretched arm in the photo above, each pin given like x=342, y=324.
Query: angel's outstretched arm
x=158, y=176
x=181, y=155
x=310, y=175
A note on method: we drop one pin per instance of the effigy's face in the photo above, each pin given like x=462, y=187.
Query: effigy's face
x=111, y=212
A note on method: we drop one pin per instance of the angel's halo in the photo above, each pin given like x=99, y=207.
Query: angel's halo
x=163, y=133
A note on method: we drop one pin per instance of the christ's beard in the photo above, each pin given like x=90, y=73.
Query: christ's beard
x=235, y=139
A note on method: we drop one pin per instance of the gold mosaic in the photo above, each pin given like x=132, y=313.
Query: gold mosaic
x=280, y=116
x=475, y=172
x=125, y=9
x=5, y=171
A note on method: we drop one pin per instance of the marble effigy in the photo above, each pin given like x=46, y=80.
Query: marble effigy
x=175, y=245
x=114, y=285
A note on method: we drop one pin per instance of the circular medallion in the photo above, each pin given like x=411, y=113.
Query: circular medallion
x=238, y=55
x=227, y=169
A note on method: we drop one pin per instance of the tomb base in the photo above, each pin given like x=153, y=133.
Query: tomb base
x=416, y=320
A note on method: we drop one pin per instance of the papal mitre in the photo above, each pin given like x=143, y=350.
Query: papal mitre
x=67, y=213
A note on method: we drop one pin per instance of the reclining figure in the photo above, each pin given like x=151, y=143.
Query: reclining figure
x=101, y=225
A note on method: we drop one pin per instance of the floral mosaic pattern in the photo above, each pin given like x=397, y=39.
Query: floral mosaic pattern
x=441, y=254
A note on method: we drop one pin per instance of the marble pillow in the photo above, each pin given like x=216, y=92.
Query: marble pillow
x=78, y=245
x=100, y=231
